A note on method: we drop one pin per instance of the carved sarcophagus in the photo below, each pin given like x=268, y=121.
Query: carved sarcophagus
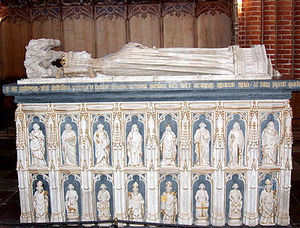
x=171, y=151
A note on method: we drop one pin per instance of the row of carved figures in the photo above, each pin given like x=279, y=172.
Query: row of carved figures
x=168, y=146
x=268, y=204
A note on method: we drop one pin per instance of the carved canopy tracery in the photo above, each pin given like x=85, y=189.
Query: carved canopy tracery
x=32, y=10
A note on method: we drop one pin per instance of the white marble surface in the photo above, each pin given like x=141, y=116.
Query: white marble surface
x=135, y=62
x=166, y=184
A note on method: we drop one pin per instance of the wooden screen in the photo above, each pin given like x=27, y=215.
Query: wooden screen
x=101, y=29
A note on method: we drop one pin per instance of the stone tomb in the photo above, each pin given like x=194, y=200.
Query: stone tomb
x=172, y=151
x=222, y=161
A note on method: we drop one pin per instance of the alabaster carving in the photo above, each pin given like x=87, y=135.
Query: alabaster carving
x=270, y=140
x=135, y=204
x=137, y=60
x=103, y=204
x=202, y=206
x=178, y=190
x=268, y=204
x=169, y=207
x=71, y=202
x=235, y=206
x=37, y=146
x=236, y=145
x=201, y=140
x=40, y=203
x=134, y=146
x=102, y=146
x=39, y=58
x=68, y=139
x=168, y=147
x=198, y=161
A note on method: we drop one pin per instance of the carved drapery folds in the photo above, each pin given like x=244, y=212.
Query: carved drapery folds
x=103, y=27
x=217, y=191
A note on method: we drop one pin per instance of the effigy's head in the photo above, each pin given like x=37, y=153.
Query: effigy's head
x=40, y=59
x=43, y=44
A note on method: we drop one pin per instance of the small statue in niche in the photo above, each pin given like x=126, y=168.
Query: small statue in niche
x=40, y=203
x=134, y=146
x=102, y=144
x=202, y=139
x=135, y=204
x=37, y=146
x=72, y=204
x=168, y=147
x=69, y=146
x=103, y=205
x=202, y=205
x=169, y=204
x=270, y=139
x=236, y=145
x=235, y=206
x=268, y=204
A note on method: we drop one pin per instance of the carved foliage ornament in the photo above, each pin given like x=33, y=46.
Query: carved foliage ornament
x=45, y=13
x=76, y=12
x=143, y=10
x=178, y=9
x=14, y=15
x=74, y=9
x=110, y=11
x=215, y=7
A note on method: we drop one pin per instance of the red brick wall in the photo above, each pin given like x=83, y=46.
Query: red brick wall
x=297, y=39
x=270, y=22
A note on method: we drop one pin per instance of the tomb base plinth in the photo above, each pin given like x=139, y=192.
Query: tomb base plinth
x=165, y=152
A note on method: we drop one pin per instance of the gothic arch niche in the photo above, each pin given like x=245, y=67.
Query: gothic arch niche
x=235, y=197
x=236, y=138
x=268, y=200
x=168, y=121
x=37, y=141
x=71, y=184
x=133, y=123
x=171, y=181
x=202, y=141
x=134, y=212
x=68, y=124
x=101, y=148
x=104, y=183
x=41, y=199
x=202, y=198
x=269, y=153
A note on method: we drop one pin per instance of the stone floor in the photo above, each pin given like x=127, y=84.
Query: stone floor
x=9, y=195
